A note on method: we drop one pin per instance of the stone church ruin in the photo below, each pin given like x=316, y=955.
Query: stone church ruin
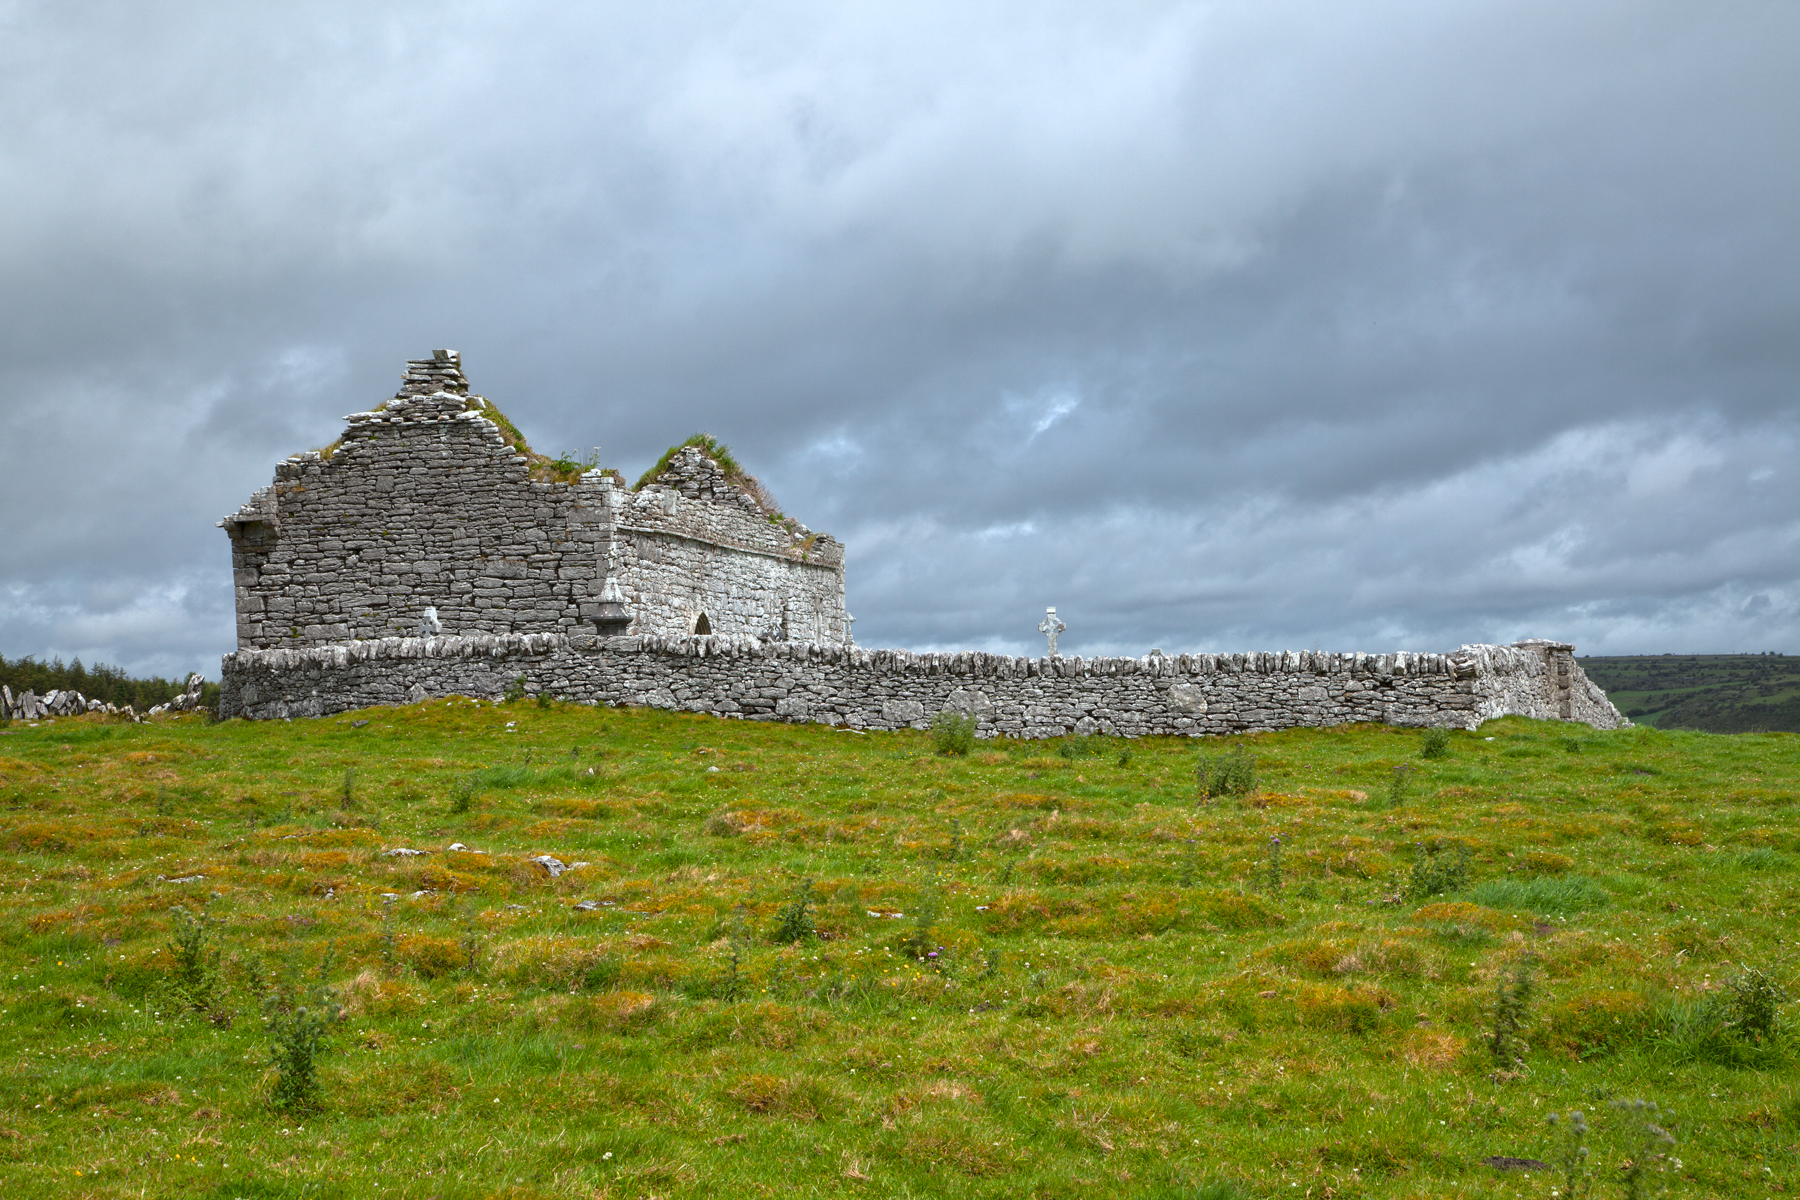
x=430, y=552
x=433, y=504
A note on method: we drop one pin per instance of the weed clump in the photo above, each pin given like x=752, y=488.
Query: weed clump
x=794, y=923
x=953, y=732
x=195, y=979
x=296, y=1039
x=1399, y=785
x=1571, y=1158
x=921, y=940
x=1647, y=1143
x=1512, y=1013
x=1437, y=744
x=1439, y=869
x=515, y=691
x=731, y=985
x=462, y=795
x=1754, y=1006
x=1232, y=774
x=1270, y=875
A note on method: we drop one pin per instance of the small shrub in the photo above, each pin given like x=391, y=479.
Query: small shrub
x=543, y=700
x=794, y=923
x=1232, y=774
x=462, y=794
x=515, y=690
x=1437, y=744
x=1437, y=870
x=953, y=732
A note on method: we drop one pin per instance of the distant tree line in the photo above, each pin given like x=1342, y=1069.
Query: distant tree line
x=99, y=682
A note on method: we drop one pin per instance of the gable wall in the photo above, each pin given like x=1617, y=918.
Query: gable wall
x=425, y=504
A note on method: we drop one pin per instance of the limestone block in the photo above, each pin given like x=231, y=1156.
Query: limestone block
x=970, y=701
x=1187, y=698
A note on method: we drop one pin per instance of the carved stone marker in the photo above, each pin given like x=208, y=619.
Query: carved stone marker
x=1050, y=627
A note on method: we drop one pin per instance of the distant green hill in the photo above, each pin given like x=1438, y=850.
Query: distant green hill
x=1720, y=693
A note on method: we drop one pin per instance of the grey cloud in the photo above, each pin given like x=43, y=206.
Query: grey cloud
x=1231, y=324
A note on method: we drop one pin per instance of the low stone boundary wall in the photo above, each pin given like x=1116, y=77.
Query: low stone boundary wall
x=1184, y=694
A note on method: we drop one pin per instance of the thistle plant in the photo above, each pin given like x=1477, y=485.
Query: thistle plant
x=1512, y=1012
x=794, y=923
x=1647, y=1143
x=953, y=732
x=1232, y=774
x=1439, y=869
x=920, y=941
x=1754, y=1006
x=732, y=985
x=195, y=950
x=296, y=1039
x=1271, y=872
x=1571, y=1157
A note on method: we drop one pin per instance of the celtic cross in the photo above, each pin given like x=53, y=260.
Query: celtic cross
x=1050, y=627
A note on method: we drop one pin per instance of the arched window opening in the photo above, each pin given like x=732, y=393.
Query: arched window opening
x=702, y=626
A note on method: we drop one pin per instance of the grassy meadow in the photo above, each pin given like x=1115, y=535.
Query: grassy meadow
x=798, y=961
x=1720, y=693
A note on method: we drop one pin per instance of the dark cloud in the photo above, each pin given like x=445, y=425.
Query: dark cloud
x=1216, y=325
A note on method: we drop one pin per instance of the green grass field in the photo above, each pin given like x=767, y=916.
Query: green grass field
x=1044, y=969
x=1719, y=693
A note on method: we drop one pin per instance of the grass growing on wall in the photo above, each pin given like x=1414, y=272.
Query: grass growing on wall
x=800, y=961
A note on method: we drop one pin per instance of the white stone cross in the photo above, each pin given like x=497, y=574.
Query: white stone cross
x=1050, y=627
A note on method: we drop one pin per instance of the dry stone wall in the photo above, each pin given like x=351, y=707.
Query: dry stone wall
x=1190, y=694
x=425, y=517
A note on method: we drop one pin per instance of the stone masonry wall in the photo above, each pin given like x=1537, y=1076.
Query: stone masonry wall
x=692, y=543
x=1188, y=694
x=424, y=504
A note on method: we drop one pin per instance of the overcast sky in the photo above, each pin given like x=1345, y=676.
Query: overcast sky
x=1219, y=326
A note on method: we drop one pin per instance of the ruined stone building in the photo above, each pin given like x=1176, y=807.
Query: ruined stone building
x=429, y=553
x=431, y=515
